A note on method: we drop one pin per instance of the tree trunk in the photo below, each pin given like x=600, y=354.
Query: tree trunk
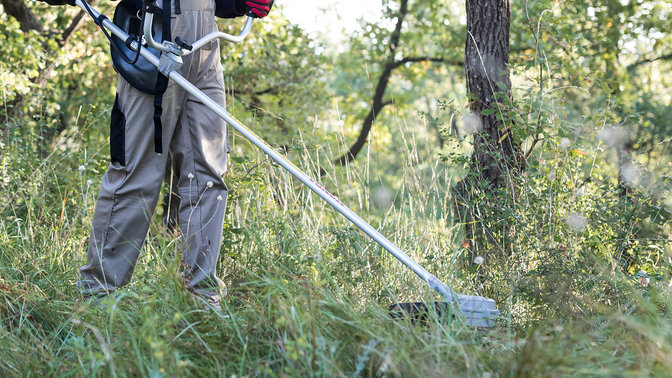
x=496, y=156
x=488, y=84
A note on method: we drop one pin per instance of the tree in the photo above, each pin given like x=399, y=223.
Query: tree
x=497, y=156
x=412, y=40
x=489, y=86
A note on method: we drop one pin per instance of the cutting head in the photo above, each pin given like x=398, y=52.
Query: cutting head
x=477, y=311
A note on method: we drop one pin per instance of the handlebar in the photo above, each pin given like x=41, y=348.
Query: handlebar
x=166, y=46
x=147, y=37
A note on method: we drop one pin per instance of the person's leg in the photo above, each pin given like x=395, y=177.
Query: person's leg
x=200, y=148
x=128, y=192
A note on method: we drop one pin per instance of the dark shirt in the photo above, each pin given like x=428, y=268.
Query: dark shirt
x=229, y=8
x=223, y=8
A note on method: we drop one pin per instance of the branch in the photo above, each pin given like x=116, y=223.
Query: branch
x=20, y=11
x=271, y=90
x=649, y=60
x=363, y=134
x=74, y=24
x=416, y=59
x=396, y=34
x=377, y=101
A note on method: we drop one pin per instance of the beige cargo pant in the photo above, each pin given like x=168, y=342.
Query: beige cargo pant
x=197, y=141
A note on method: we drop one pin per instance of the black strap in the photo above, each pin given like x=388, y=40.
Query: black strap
x=99, y=20
x=158, y=109
x=161, y=83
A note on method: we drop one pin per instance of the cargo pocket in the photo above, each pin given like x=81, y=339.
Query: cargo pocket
x=117, y=135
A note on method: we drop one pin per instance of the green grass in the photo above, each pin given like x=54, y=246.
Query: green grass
x=308, y=293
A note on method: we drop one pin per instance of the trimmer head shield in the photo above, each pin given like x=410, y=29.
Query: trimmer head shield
x=477, y=311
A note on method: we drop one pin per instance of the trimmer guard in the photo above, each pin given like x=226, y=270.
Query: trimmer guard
x=477, y=311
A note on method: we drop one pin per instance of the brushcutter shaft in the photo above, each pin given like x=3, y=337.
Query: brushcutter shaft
x=431, y=280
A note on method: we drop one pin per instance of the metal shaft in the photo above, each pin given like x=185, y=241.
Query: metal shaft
x=431, y=280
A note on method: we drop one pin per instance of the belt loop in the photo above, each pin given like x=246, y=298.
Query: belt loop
x=178, y=9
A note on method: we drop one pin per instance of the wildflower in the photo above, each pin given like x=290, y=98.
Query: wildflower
x=577, y=222
x=209, y=184
x=613, y=136
x=190, y=176
x=565, y=143
x=81, y=168
x=89, y=182
x=629, y=174
x=472, y=123
x=478, y=260
x=219, y=198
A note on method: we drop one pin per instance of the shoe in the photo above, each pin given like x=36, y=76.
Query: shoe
x=93, y=300
x=210, y=304
x=223, y=291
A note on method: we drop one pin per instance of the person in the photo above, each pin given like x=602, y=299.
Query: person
x=197, y=142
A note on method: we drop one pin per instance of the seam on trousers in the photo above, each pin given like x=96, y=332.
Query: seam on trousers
x=199, y=188
x=106, y=232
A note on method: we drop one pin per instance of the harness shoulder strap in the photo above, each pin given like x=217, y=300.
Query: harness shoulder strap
x=161, y=83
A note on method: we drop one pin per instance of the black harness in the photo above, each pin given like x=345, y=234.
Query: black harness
x=140, y=73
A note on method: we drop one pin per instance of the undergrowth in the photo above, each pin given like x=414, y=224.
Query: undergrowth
x=308, y=292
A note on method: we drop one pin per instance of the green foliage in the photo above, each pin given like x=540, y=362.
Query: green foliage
x=588, y=222
x=308, y=293
x=430, y=30
x=577, y=260
x=277, y=78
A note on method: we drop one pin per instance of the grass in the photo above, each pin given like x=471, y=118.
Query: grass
x=308, y=293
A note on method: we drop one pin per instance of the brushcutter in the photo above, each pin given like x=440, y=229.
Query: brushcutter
x=474, y=310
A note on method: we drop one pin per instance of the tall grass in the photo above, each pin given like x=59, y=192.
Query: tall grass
x=308, y=292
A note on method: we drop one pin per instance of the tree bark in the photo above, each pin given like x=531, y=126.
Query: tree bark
x=20, y=11
x=489, y=86
x=496, y=157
